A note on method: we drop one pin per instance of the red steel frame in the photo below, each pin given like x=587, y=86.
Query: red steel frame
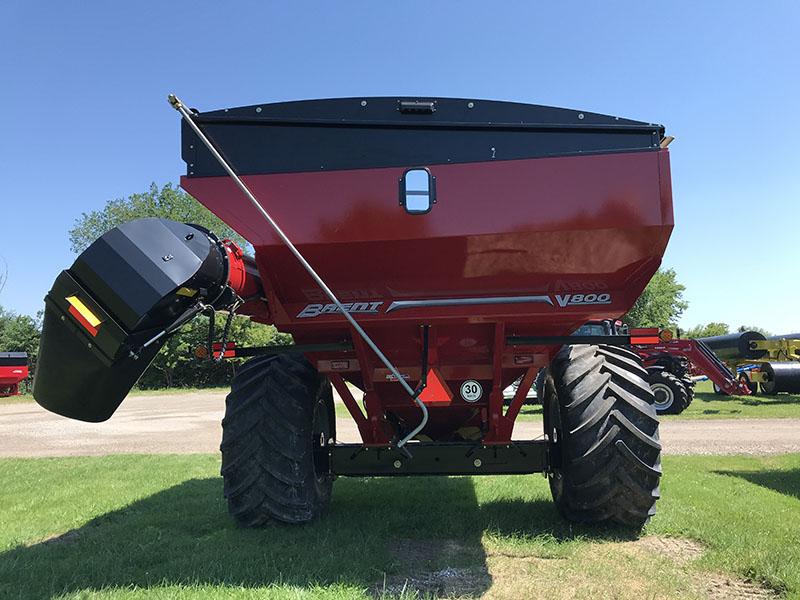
x=557, y=229
x=707, y=365
x=373, y=427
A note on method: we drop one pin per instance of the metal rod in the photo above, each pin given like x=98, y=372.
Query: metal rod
x=291, y=349
x=181, y=108
x=179, y=322
x=553, y=340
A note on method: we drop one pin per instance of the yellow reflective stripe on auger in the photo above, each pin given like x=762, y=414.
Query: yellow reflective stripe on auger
x=84, y=311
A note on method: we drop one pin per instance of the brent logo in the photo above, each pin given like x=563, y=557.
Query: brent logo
x=582, y=299
x=314, y=310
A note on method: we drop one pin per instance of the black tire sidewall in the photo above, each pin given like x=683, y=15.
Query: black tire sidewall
x=605, y=454
x=277, y=408
x=677, y=391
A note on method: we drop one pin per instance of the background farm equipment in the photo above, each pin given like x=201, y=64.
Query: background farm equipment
x=670, y=365
x=735, y=363
x=773, y=363
x=667, y=362
x=469, y=239
x=13, y=371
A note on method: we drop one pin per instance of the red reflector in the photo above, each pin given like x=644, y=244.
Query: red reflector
x=645, y=340
x=83, y=321
x=645, y=335
x=645, y=331
x=436, y=391
x=230, y=349
x=523, y=359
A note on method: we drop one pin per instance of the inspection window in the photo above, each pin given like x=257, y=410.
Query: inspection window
x=417, y=191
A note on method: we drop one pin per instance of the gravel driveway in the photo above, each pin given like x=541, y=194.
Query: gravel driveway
x=190, y=423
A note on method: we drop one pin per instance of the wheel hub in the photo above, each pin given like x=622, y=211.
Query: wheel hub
x=664, y=396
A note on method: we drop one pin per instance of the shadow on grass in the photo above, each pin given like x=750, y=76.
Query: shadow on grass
x=711, y=397
x=783, y=482
x=788, y=399
x=376, y=529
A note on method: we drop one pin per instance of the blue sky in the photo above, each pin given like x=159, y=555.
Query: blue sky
x=84, y=117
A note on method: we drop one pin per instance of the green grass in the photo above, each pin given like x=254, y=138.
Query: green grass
x=708, y=405
x=341, y=411
x=156, y=527
x=530, y=412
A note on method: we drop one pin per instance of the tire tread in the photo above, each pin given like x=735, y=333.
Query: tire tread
x=610, y=449
x=267, y=448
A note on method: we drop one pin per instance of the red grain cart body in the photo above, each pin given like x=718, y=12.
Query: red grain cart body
x=13, y=371
x=523, y=239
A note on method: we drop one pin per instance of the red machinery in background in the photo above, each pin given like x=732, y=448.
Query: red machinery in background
x=13, y=371
x=749, y=360
x=669, y=365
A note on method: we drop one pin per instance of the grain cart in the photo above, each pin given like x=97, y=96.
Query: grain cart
x=427, y=252
x=13, y=371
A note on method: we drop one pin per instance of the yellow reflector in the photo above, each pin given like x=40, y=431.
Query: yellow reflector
x=665, y=335
x=83, y=310
x=186, y=292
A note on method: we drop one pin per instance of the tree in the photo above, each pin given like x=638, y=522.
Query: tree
x=177, y=364
x=761, y=330
x=660, y=304
x=168, y=202
x=707, y=330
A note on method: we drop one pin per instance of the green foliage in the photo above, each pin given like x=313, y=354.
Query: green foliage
x=707, y=330
x=177, y=364
x=19, y=333
x=660, y=304
x=761, y=330
x=168, y=202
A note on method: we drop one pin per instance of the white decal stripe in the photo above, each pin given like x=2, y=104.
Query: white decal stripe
x=404, y=304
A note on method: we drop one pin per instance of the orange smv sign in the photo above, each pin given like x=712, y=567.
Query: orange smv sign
x=436, y=391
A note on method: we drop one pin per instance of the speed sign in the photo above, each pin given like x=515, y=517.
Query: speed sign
x=471, y=390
